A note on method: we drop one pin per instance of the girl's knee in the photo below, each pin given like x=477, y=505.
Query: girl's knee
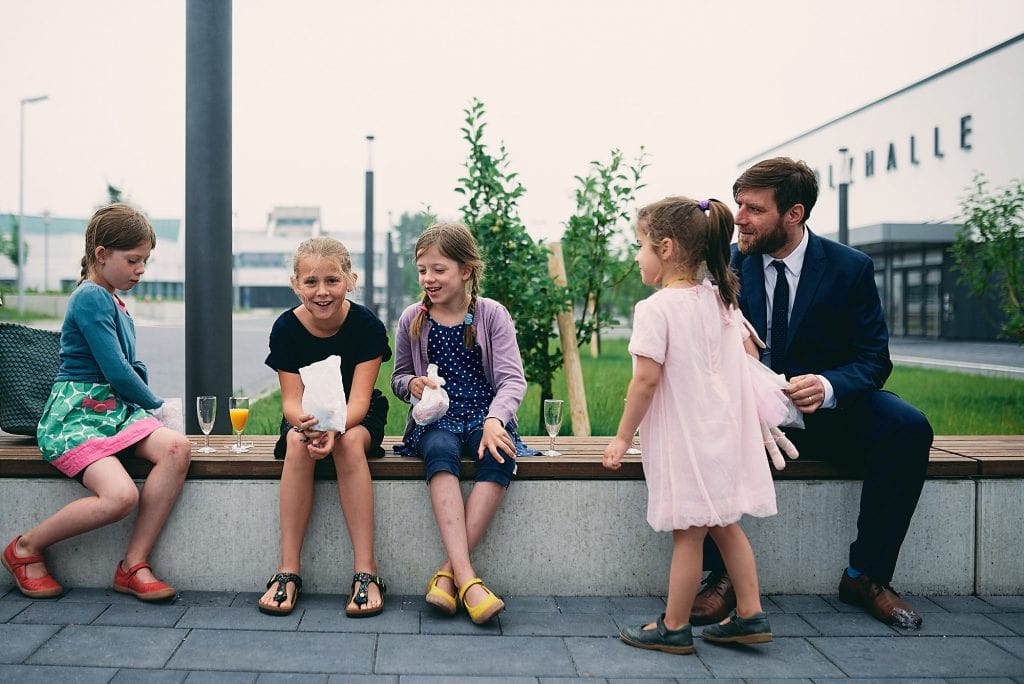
x=179, y=453
x=350, y=451
x=120, y=501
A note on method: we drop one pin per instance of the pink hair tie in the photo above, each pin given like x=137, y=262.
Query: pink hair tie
x=423, y=307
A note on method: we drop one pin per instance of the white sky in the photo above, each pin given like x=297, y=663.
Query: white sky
x=702, y=85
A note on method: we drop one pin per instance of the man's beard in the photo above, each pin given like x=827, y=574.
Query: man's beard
x=765, y=243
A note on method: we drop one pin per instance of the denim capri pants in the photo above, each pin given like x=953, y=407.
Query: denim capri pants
x=442, y=450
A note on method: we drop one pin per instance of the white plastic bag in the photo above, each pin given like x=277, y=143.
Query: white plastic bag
x=171, y=415
x=323, y=394
x=433, y=402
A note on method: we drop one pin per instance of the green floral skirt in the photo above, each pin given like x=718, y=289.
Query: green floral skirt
x=85, y=421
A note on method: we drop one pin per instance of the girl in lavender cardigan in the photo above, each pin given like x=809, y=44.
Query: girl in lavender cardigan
x=472, y=340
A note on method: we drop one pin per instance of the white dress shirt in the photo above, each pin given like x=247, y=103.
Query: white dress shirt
x=794, y=265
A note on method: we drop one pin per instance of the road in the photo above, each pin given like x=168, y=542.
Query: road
x=162, y=347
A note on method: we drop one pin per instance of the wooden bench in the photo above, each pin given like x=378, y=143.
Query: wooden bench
x=951, y=456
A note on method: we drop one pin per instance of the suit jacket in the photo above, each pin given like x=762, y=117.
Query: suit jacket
x=836, y=328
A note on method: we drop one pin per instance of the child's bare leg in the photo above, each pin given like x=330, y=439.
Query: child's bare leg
x=740, y=564
x=296, y=503
x=450, y=513
x=355, y=490
x=481, y=505
x=170, y=454
x=115, y=496
x=684, y=575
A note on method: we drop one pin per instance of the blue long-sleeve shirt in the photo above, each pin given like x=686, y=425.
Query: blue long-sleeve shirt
x=97, y=344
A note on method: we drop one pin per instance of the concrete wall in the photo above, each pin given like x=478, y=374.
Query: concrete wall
x=585, y=537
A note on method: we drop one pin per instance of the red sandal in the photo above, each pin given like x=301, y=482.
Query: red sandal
x=33, y=587
x=127, y=582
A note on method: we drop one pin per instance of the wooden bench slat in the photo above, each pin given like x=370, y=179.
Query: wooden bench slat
x=951, y=456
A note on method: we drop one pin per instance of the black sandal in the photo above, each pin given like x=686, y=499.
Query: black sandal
x=359, y=597
x=281, y=595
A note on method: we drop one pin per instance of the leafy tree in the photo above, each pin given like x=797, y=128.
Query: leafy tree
x=115, y=194
x=989, y=248
x=9, y=243
x=517, y=266
x=622, y=297
x=595, y=244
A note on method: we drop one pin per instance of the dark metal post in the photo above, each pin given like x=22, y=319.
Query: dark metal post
x=208, y=261
x=844, y=186
x=368, y=257
x=389, y=268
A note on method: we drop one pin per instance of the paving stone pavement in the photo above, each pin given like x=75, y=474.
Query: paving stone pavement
x=95, y=635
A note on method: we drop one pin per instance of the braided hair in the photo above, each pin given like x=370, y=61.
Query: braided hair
x=455, y=242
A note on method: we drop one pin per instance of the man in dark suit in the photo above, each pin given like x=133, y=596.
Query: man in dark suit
x=815, y=303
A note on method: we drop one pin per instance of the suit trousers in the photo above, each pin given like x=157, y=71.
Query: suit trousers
x=886, y=439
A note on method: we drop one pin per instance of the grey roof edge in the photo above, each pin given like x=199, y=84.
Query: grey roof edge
x=981, y=55
x=939, y=233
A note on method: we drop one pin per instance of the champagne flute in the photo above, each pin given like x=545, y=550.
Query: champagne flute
x=206, y=411
x=634, y=446
x=238, y=407
x=552, y=422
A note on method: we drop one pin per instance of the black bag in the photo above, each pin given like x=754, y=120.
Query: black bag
x=29, y=361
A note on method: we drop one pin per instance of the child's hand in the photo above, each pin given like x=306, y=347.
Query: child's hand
x=613, y=454
x=320, y=444
x=306, y=422
x=417, y=384
x=496, y=440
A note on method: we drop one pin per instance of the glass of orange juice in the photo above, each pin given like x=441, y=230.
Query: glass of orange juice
x=238, y=408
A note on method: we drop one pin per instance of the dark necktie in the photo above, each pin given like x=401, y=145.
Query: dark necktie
x=780, y=316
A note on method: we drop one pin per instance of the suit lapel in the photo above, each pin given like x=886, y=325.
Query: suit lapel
x=810, y=278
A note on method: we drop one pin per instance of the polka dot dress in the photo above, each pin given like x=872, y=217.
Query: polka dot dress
x=469, y=392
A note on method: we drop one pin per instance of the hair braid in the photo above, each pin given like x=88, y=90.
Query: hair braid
x=417, y=322
x=470, y=334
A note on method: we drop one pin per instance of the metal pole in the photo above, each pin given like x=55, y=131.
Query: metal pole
x=208, y=262
x=21, y=198
x=368, y=241
x=389, y=309
x=844, y=185
x=46, y=251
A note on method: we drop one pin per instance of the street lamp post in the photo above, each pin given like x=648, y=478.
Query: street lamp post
x=368, y=276
x=21, y=198
x=844, y=186
x=46, y=250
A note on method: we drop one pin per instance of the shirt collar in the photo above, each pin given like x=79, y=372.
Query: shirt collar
x=794, y=261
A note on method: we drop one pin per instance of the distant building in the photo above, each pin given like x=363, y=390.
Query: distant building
x=262, y=257
x=56, y=245
x=912, y=155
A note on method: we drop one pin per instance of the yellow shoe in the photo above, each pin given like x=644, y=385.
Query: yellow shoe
x=487, y=608
x=438, y=597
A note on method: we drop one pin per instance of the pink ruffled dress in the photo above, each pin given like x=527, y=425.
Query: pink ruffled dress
x=703, y=456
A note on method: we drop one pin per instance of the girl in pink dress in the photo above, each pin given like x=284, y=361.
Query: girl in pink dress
x=693, y=399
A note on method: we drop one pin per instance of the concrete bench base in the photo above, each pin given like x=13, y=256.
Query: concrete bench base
x=582, y=537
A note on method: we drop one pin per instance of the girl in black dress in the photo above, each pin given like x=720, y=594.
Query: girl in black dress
x=327, y=323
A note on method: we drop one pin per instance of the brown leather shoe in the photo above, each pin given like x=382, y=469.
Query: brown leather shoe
x=715, y=600
x=880, y=600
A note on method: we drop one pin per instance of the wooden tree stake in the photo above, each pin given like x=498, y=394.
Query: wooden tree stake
x=570, y=352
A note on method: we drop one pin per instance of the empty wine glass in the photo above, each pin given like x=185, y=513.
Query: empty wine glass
x=552, y=422
x=206, y=411
x=238, y=407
